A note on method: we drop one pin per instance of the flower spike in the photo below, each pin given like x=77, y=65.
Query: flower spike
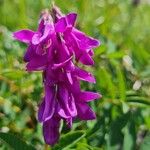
x=55, y=49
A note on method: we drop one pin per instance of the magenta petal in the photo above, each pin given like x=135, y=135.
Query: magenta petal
x=49, y=102
x=71, y=18
x=24, y=35
x=41, y=110
x=78, y=34
x=65, y=22
x=69, y=77
x=61, y=25
x=36, y=38
x=49, y=29
x=86, y=59
x=75, y=87
x=51, y=130
x=47, y=107
x=62, y=112
x=30, y=52
x=64, y=51
x=62, y=64
x=45, y=48
x=84, y=75
x=40, y=50
x=41, y=26
x=84, y=41
x=40, y=37
x=67, y=103
x=37, y=63
x=91, y=52
x=85, y=112
x=92, y=42
x=88, y=96
x=63, y=96
x=72, y=107
x=88, y=43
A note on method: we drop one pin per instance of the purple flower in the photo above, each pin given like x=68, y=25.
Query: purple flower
x=55, y=48
x=76, y=40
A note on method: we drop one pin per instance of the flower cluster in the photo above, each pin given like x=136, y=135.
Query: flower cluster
x=55, y=49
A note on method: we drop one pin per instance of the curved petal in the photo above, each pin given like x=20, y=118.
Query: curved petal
x=51, y=130
x=37, y=63
x=24, y=35
x=30, y=52
x=88, y=43
x=41, y=26
x=62, y=112
x=69, y=76
x=72, y=107
x=84, y=75
x=63, y=51
x=62, y=64
x=86, y=59
x=88, y=96
x=61, y=25
x=85, y=112
x=66, y=22
x=39, y=37
x=47, y=107
x=75, y=87
x=36, y=38
x=82, y=55
x=41, y=110
x=84, y=41
x=71, y=18
x=91, y=52
x=49, y=102
x=49, y=29
x=66, y=102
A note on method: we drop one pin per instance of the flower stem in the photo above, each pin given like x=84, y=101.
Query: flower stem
x=46, y=147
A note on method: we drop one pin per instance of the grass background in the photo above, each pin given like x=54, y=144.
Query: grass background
x=122, y=70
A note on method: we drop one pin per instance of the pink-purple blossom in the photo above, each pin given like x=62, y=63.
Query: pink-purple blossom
x=55, y=49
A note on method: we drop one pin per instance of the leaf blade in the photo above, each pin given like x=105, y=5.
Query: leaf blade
x=69, y=140
x=15, y=142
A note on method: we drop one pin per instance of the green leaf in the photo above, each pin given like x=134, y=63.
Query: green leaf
x=96, y=127
x=116, y=135
x=84, y=146
x=121, y=84
x=115, y=55
x=14, y=142
x=137, y=99
x=104, y=75
x=100, y=50
x=69, y=140
x=13, y=74
x=146, y=143
x=129, y=136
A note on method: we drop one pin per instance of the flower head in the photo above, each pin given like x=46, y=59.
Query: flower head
x=55, y=48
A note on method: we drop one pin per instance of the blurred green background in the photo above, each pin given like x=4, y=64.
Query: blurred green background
x=122, y=70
